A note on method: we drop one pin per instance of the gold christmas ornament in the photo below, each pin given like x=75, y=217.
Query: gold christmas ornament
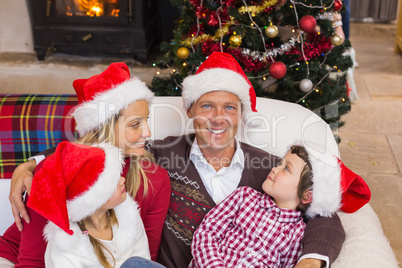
x=336, y=40
x=183, y=53
x=271, y=31
x=235, y=40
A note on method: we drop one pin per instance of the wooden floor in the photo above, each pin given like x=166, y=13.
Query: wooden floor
x=372, y=136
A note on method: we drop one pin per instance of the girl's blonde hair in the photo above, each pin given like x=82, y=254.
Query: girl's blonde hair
x=136, y=174
x=97, y=245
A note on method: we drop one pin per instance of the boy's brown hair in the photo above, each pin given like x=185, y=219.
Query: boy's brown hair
x=306, y=176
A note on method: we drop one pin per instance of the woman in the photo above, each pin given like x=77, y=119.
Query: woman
x=112, y=107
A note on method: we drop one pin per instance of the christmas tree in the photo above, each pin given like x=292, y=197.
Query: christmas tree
x=289, y=49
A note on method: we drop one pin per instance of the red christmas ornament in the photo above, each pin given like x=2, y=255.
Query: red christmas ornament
x=213, y=21
x=277, y=70
x=337, y=5
x=308, y=23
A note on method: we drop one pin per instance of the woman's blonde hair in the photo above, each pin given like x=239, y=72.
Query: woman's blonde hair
x=136, y=174
x=97, y=245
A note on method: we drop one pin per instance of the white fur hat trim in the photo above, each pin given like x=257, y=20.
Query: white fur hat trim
x=327, y=194
x=216, y=79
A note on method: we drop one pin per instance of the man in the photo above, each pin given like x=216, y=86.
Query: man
x=207, y=166
x=213, y=163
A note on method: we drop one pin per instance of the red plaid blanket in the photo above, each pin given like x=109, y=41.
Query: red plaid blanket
x=30, y=124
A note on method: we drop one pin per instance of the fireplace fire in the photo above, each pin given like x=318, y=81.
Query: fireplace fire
x=95, y=27
x=94, y=8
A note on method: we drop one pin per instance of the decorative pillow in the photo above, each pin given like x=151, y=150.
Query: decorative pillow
x=30, y=124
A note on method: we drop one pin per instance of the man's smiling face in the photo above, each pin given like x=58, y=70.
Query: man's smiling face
x=216, y=116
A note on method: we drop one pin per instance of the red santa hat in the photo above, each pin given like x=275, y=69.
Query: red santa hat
x=334, y=185
x=220, y=72
x=102, y=96
x=75, y=181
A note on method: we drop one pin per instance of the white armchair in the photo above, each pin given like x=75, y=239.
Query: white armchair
x=283, y=123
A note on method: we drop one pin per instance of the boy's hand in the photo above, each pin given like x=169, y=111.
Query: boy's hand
x=310, y=263
x=21, y=181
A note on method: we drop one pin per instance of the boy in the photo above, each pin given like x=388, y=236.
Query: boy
x=250, y=229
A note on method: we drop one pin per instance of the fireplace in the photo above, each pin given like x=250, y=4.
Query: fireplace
x=95, y=27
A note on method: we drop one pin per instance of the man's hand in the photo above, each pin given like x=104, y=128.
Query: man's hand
x=310, y=263
x=21, y=181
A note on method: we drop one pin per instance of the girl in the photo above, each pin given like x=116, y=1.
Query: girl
x=112, y=108
x=92, y=223
x=250, y=229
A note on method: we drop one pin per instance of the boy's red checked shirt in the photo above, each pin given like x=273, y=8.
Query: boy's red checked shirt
x=248, y=229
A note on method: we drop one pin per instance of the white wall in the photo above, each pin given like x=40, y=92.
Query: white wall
x=15, y=27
